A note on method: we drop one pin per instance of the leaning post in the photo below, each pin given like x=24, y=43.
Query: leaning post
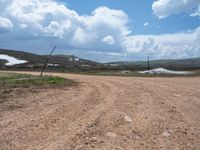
x=148, y=64
x=46, y=62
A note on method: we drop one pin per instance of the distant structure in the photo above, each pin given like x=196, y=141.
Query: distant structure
x=74, y=59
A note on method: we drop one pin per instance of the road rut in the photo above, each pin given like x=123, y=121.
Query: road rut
x=119, y=113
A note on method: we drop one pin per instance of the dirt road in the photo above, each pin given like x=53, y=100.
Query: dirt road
x=105, y=113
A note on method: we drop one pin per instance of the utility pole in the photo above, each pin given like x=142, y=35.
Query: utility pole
x=46, y=62
x=148, y=64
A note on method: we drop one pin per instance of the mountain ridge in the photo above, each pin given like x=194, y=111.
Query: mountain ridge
x=71, y=62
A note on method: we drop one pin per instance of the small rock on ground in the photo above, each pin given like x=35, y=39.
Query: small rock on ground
x=128, y=119
x=111, y=134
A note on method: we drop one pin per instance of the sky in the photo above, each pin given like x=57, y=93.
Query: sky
x=103, y=30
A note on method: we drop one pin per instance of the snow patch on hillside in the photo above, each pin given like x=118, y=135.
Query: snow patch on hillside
x=53, y=65
x=164, y=71
x=11, y=60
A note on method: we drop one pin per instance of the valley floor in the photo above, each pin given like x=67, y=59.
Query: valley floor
x=115, y=113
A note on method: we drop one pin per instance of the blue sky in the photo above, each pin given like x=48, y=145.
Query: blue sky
x=139, y=12
x=103, y=30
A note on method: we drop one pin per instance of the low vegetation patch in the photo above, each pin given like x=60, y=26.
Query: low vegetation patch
x=12, y=80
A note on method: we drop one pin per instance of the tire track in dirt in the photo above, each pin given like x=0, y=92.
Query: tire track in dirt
x=162, y=111
x=93, y=92
x=26, y=122
x=80, y=124
x=109, y=113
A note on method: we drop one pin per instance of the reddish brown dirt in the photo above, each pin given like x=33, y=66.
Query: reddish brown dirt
x=105, y=113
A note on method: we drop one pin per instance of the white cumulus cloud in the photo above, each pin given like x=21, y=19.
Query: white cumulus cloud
x=179, y=45
x=109, y=40
x=5, y=23
x=42, y=24
x=146, y=24
x=165, y=8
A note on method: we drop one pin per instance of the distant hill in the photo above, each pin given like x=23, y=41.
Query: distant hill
x=74, y=64
x=56, y=62
x=175, y=64
x=34, y=58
